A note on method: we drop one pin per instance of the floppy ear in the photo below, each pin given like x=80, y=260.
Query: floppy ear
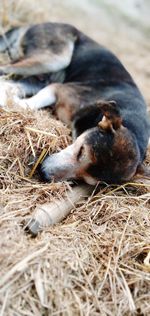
x=111, y=119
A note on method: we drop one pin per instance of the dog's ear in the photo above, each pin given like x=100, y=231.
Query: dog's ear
x=111, y=120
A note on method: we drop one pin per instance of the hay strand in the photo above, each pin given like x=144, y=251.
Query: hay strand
x=40, y=159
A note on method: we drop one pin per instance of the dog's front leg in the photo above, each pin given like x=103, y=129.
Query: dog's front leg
x=13, y=91
x=45, y=97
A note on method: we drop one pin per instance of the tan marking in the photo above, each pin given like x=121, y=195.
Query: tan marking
x=111, y=119
x=68, y=103
x=105, y=124
x=63, y=114
x=126, y=153
x=82, y=174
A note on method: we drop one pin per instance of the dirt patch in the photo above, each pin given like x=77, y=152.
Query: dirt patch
x=96, y=261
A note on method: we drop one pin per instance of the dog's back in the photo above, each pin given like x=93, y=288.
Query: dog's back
x=96, y=67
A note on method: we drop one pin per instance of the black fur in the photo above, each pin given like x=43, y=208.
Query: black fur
x=118, y=143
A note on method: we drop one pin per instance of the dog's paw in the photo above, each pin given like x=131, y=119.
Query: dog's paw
x=3, y=96
x=8, y=91
x=22, y=103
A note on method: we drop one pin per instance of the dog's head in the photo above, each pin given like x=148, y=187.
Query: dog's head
x=107, y=152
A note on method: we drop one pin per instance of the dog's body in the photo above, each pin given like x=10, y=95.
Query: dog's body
x=91, y=89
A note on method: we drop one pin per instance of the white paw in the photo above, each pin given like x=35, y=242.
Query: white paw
x=7, y=93
x=3, y=99
x=25, y=103
x=21, y=103
x=3, y=95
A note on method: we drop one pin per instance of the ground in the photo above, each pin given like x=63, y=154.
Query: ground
x=95, y=262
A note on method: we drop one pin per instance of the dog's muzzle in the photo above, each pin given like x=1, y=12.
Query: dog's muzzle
x=59, y=166
x=70, y=163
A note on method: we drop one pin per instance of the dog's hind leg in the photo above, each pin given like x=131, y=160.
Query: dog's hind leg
x=41, y=62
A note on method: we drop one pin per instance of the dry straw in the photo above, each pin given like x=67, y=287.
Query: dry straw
x=96, y=261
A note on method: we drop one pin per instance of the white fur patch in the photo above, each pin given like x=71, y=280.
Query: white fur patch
x=44, y=97
x=11, y=92
x=90, y=180
x=8, y=91
x=61, y=61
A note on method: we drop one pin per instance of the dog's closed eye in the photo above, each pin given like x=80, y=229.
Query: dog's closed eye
x=80, y=153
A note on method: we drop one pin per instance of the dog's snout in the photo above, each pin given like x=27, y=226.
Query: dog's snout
x=58, y=166
x=69, y=163
x=44, y=174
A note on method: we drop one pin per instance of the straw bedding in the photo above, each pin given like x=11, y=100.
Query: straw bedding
x=93, y=263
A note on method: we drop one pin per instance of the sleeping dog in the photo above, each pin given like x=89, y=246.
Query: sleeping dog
x=56, y=65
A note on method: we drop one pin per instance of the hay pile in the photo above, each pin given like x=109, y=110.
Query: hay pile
x=93, y=263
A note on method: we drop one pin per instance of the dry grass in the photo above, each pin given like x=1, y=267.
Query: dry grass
x=96, y=261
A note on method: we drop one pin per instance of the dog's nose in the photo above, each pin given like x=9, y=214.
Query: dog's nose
x=58, y=167
x=44, y=175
